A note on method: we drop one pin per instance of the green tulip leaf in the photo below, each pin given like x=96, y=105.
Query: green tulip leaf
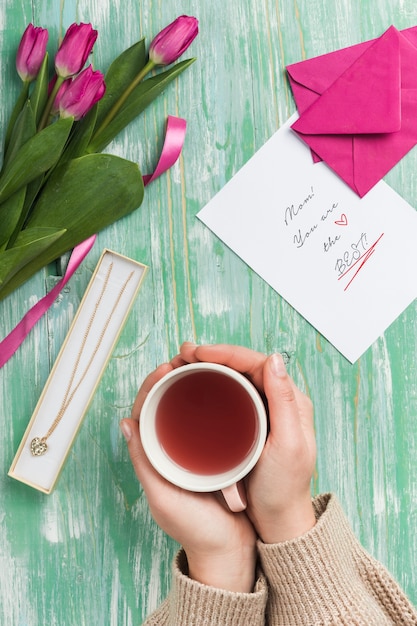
x=20, y=102
x=137, y=101
x=10, y=212
x=80, y=136
x=38, y=100
x=88, y=193
x=39, y=96
x=32, y=191
x=120, y=75
x=33, y=158
x=29, y=244
x=23, y=130
x=82, y=196
x=29, y=194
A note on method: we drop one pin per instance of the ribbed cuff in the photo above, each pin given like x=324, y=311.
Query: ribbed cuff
x=194, y=604
x=314, y=579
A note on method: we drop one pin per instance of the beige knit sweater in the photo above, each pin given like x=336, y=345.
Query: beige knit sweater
x=324, y=578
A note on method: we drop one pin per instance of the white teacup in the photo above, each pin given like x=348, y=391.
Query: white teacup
x=157, y=411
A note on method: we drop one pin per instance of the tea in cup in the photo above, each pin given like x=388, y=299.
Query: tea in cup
x=203, y=427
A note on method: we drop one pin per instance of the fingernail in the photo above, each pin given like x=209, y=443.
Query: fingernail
x=126, y=430
x=278, y=365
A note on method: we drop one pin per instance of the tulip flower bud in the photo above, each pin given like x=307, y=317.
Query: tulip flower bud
x=74, y=49
x=173, y=40
x=80, y=94
x=31, y=52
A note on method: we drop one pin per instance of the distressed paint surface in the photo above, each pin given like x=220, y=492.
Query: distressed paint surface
x=90, y=553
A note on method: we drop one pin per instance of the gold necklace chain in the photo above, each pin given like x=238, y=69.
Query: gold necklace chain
x=38, y=445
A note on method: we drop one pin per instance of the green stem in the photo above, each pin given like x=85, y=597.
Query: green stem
x=48, y=107
x=120, y=102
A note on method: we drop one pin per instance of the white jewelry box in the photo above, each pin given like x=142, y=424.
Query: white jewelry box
x=90, y=341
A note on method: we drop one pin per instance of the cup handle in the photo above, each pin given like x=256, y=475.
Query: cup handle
x=235, y=496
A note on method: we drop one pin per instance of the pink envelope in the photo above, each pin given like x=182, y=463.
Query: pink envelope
x=358, y=106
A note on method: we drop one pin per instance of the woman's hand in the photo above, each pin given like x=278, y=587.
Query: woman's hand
x=220, y=545
x=278, y=488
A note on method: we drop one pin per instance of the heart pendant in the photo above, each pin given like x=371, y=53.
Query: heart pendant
x=38, y=446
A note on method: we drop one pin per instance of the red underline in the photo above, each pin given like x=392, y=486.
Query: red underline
x=364, y=258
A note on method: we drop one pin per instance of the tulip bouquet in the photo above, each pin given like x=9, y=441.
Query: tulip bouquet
x=57, y=188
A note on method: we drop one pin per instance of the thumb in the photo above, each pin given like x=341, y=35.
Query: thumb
x=143, y=468
x=282, y=401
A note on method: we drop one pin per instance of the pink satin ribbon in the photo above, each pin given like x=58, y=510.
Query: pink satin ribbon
x=171, y=150
x=10, y=344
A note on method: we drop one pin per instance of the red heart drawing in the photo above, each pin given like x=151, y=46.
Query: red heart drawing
x=343, y=220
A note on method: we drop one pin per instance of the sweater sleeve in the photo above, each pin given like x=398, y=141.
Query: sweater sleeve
x=193, y=604
x=326, y=578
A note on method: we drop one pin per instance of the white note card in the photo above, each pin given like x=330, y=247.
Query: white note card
x=346, y=264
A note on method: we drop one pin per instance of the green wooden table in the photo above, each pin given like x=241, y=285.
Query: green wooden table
x=90, y=553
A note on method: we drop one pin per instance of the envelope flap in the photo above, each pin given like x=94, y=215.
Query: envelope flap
x=318, y=73
x=365, y=98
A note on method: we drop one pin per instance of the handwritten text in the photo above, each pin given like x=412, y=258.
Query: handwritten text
x=301, y=237
x=351, y=255
x=293, y=210
x=355, y=258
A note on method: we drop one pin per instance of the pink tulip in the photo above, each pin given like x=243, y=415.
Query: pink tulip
x=81, y=93
x=173, y=40
x=74, y=49
x=31, y=52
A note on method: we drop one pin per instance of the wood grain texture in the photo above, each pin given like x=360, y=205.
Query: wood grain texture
x=90, y=553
